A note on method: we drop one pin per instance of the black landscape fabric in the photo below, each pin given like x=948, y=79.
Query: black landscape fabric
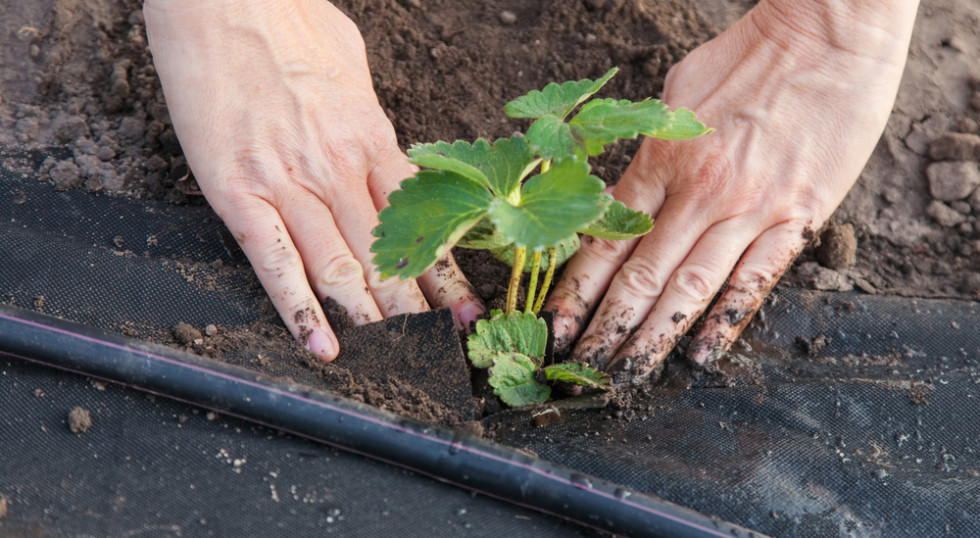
x=837, y=415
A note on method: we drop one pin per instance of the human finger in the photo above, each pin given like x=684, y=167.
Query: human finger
x=589, y=273
x=444, y=285
x=356, y=217
x=679, y=291
x=763, y=264
x=332, y=268
x=690, y=289
x=265, y=240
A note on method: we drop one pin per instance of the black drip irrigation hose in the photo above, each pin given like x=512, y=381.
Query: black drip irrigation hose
x=469, y=462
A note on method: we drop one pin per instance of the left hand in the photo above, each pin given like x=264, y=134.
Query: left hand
x=798, y=100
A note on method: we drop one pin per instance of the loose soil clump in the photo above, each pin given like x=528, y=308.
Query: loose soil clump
x=79, y=420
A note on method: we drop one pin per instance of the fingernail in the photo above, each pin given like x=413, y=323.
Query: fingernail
x=564, y=332
x=323, y=344
x=467, y=316
x=702, y=353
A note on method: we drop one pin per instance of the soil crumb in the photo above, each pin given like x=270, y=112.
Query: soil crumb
x=185, y=333
x=838, y=246
x=79, y=420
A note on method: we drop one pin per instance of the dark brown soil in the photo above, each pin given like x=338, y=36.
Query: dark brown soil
x=77, y=74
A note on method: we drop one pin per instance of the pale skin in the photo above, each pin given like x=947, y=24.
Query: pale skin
x=798, y=92
x=273, y=105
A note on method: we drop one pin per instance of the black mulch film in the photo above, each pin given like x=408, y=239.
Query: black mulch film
x=846, y=414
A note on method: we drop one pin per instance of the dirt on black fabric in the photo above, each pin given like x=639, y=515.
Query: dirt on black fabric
x=78, y=74
x=394, y=373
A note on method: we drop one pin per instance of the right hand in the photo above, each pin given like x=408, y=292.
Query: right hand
x=273, y=105
x=799, y=93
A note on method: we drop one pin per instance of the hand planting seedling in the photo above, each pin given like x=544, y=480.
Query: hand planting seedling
x=488, y=196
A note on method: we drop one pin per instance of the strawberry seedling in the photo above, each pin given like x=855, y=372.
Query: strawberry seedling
x=526, y=199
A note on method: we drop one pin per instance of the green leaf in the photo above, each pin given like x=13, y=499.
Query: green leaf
x=564, y=249
x=517, y=332
x=619, y=222
x=682, y=126
x=552, y=138
x=552, y=207
x=556, y=99
x=483, y=236
x=602, y=121
x=427, y=215
x=577, y=373
x=440, y=156
x=500, y=167
x=512, y=378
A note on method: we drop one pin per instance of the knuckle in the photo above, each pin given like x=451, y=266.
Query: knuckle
x=381, y=135
x=607, y=250
x=341, y=270
x=344, y=152
x=694, y=282
x=384, y=286
x=713, y=178
x=278, y=258
x=641, y=278
x=755, y=276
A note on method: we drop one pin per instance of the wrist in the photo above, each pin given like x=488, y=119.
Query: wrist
x=874, y=29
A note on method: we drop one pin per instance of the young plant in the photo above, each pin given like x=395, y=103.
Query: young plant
x=526, y=199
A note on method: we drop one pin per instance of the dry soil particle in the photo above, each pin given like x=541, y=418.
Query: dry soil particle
x=837, y=246
x=79, y=420
x=186, y=334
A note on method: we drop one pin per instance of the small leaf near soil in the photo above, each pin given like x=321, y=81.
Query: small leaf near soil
x=555, y=99
x=577, y=373
x=553, y=206
x=512, y=379
x=619, y=222
x=517, y=332
x=500, y=167
x=407, y=245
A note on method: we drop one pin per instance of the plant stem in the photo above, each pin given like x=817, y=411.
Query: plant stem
x=545, y=166
x=550, y=274
x=520, y=256
x=533, y=284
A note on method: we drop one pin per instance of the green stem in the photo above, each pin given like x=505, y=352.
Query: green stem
x=548, y=276
x=532, y=286
x=545, y=166
x=520, y=255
